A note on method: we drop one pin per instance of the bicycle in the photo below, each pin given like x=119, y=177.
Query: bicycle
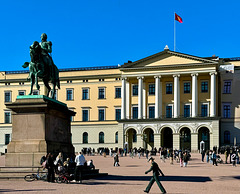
x=39, y=176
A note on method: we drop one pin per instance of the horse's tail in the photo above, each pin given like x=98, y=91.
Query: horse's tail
x=58, y=83
x=55, y=75
x=25, y=65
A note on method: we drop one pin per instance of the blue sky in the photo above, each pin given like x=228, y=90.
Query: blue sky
x=111, y=32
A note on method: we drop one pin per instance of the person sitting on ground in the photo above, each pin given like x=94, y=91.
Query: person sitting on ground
x=90, y=164
x=66, y=164
x=59, y=159
x=60, y=169
x=43, y=161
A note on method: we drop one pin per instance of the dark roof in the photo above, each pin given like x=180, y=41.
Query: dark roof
x=231, y=59
x=70, y=69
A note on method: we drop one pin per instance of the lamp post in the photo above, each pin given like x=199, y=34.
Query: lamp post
x=144, y=138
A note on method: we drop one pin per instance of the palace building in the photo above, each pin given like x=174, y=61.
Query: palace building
x=168, y=99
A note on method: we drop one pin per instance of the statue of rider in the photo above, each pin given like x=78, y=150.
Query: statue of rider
x=46, y=49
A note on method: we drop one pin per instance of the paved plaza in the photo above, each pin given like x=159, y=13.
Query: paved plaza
x=198, y=177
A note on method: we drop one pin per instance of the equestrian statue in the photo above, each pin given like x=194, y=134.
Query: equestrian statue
x=42, y=66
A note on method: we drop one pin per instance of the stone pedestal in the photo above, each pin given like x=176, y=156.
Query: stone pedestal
x=39, y=125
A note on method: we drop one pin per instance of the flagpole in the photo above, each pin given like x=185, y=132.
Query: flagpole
x=174, y=33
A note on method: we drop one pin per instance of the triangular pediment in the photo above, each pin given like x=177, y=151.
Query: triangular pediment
x=168, y=58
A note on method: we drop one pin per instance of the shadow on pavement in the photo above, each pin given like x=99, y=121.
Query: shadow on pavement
x=25, y=190
x=132, y=166
x=165, y=178
x=106, y=183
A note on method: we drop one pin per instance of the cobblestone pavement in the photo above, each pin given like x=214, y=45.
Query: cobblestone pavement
x=129, y=178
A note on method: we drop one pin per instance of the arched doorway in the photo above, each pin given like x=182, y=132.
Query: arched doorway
x=185, y=139
x=148, y=139
x=131, y=138
x=167, y=137
x=203, y=135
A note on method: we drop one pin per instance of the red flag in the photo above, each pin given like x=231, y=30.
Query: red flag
x=178, y=18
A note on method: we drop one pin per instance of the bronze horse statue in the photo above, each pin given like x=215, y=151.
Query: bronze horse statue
x=38, y=69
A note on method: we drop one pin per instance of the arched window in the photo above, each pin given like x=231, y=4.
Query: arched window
x=85, y=137
x=101, y=137
x=116, y=137
x=226, y=137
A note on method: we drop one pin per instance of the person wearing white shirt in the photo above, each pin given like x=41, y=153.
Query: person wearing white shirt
x=79, y=160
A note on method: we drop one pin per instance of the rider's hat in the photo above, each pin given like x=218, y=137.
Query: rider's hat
x=151, y=158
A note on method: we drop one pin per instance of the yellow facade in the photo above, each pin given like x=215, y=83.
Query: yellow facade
x=165, y=65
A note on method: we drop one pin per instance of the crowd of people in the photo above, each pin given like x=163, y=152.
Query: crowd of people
x=73, y=165
x=231, y=155
x=179, y=156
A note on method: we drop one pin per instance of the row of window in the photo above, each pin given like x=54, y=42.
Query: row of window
x=151, y=112
x=101, y=114
x=169, y=111
x=134, y=137
x=169, y=88
x=151, y=91
x=100, y=137
x=8, y=94
x=86, y=96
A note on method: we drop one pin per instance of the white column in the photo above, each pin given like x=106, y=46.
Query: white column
x=194, y=95
x=144, y=101
x=127, y=100
x=123, y=108
x=140, y=97
x=176, y=96
x=213, y=94
x=158, y=97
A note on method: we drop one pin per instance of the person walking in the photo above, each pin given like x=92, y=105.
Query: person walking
x=214, y=158
x=139, y=152
x=226, y=156
x=180, y=158
x=116, y=160
x=162, y=155
x=147, y=152
x=207, y=156
x=156, y=170
x=79, y=160
x=210, y=156
x=185, y=159
x=233, y=159
x=171, y=156
x=237, y=156
x=203, y=155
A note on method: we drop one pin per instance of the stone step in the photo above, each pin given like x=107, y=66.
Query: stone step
x=19, y=173
x=85, y=176
x=20, y=169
